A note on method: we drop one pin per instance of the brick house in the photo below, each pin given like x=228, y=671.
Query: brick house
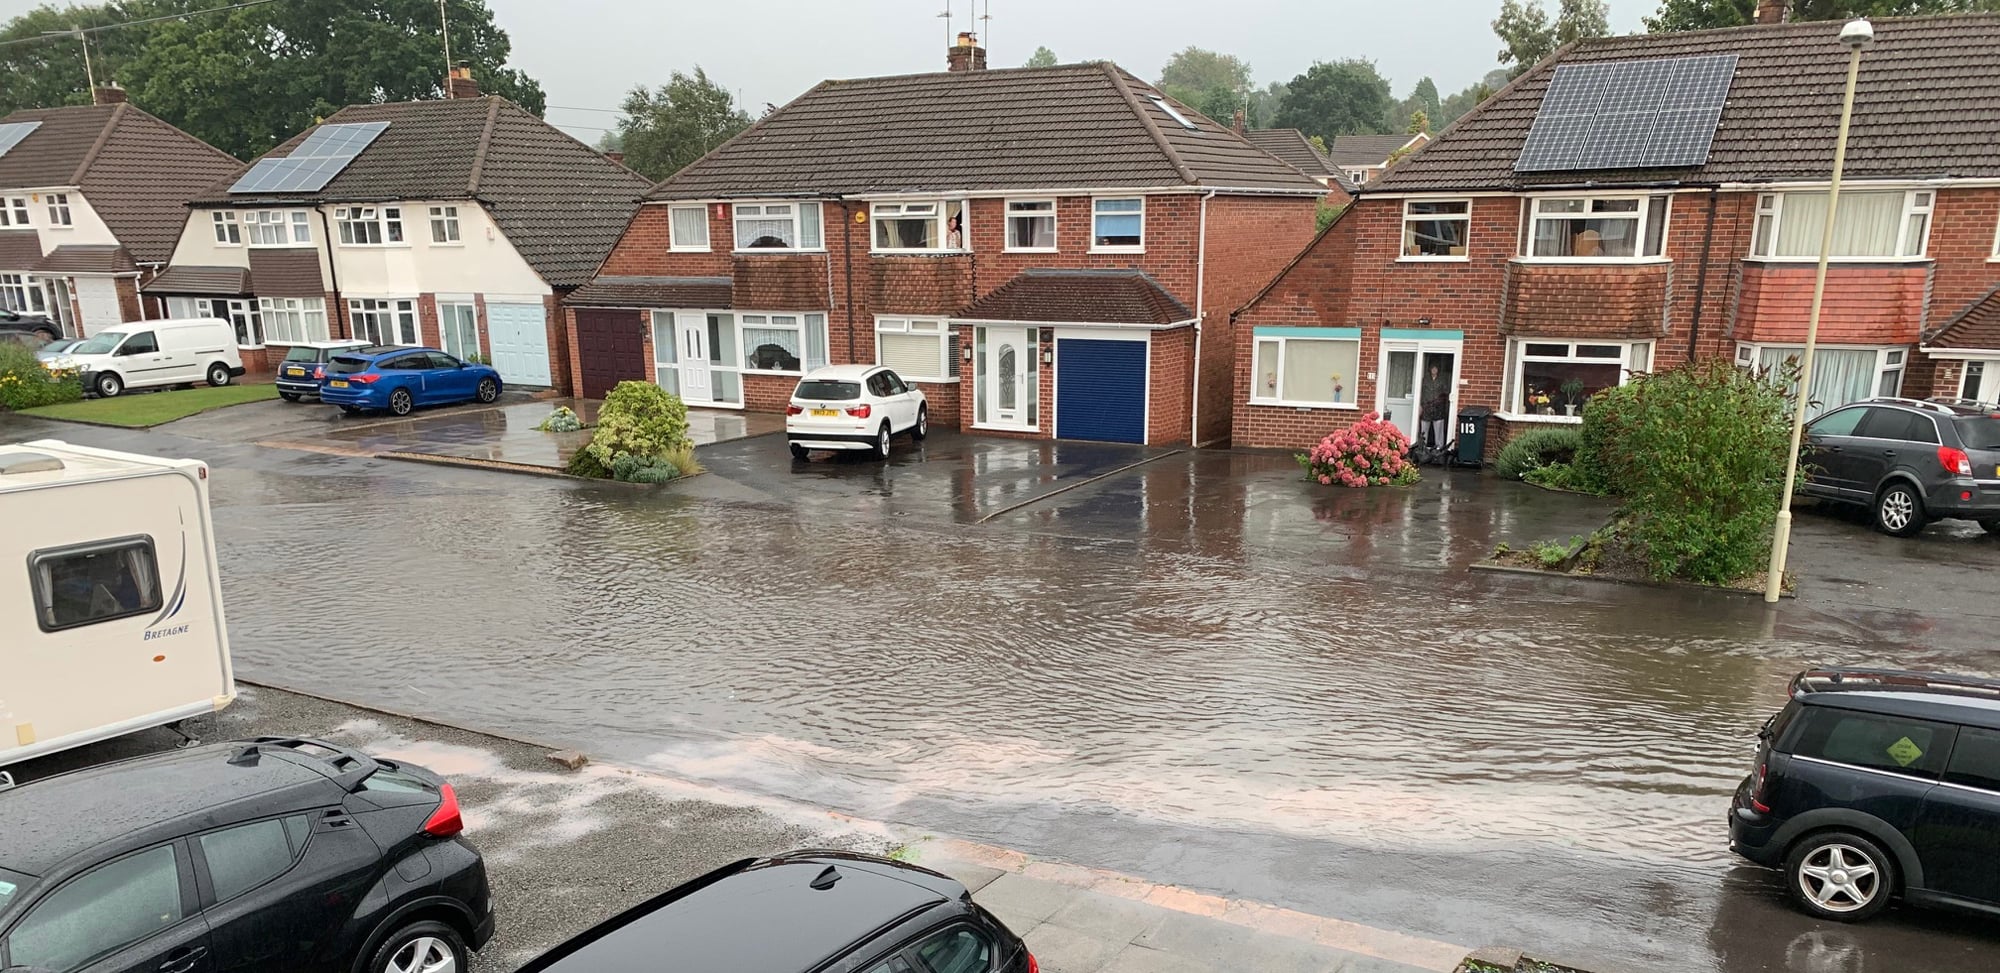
x=1364, y=158
x=1522, y=278
x=1294, y=147
x=91, y=200
x=1045, y=252
x=456, y=223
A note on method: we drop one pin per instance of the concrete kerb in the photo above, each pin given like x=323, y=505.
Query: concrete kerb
x=1490, y=565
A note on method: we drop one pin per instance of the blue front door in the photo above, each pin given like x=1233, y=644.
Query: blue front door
x=1101, y=389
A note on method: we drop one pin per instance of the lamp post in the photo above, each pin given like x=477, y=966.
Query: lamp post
x=1855, y=35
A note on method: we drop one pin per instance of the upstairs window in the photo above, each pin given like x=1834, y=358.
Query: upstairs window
x=1031, y=224
x=1118, y=224
x=1871, y=225
x=276, y=228
x=777, y=226
x=1597, y=228
x=919, y=227
x=1436, y=229
x=227, y=232
x=687, y=228
x=444, y=224
x=369, y=226
x=59, y=209
x=14, y=211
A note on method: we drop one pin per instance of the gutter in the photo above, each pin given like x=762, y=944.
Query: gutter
x=1200, y=292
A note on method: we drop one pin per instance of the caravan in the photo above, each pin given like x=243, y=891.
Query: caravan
x=109, y=596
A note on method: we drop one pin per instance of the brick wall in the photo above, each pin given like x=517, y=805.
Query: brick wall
x=1250, y=239
x=1585, y=300
x=1963, y=227
x=921, y=284
x=1170, y=375
x=1866, y=304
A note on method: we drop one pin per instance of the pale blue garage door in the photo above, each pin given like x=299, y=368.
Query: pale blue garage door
x=520, y=339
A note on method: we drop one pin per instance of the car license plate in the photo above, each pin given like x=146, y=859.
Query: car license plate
x=295, y=371
x=825, y=412
x=337, y=383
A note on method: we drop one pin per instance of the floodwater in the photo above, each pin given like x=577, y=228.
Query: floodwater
x=1197, y=670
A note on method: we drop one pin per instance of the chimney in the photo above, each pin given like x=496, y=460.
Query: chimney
x=108, y=93
x=1771, y=11
x=618, y=157
x=1237, y=123
x=966, y=55
x=459, y=83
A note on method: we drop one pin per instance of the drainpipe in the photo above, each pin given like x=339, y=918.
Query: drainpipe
x=1701, y=276
x=1200, y=289
x=333, y=276
x=847, y=260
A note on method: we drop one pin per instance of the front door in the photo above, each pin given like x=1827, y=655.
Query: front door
x=691, y=328
x=1004, y=376
x=1399, y=391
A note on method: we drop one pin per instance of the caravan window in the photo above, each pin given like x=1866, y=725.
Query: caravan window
x=91, y=583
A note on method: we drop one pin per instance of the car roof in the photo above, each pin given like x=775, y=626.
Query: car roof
x=787, y=913
x=380, y=351
x=1934, y=407
x=135, y=802
x=849, y=373
x=335, y=343
x=1897, y=692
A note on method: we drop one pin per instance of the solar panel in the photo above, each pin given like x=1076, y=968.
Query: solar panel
x=12, y=133
x=1655, y=114
x=314, y=163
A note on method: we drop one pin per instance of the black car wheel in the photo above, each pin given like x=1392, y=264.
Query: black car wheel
x=400, y=402
x=218, y=374
x=923, y=426
x=289, y=396
x=488, y=390
x=1899, y=511
x=882, y=442
x=423, y=947
x=109, y=385
x=1840, y=876
x=800, y=453
x=1992, y=526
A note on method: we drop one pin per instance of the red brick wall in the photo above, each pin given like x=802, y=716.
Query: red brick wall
x=1587, y=300
x=1963, y=226
x=914, y=284
x=1250, y=239
x=643, y=250
x=1866, y=304
x=1170, y=375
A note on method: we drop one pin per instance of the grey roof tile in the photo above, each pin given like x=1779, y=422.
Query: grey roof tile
x=1365, y=150
x=1079, y=297
x=1977, y=327
x=650, y=292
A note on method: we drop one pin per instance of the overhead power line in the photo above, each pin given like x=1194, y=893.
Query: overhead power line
x=134, y=23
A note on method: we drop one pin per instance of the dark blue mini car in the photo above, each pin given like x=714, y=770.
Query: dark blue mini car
x=400, y=379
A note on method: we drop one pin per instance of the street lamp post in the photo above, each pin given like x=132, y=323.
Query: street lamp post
x=1856, y=35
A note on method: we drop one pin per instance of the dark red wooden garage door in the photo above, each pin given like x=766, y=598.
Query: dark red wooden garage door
x=611, y=347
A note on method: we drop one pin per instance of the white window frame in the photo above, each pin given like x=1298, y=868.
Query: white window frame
x=23, y=292
x=283, y=225
x=396, y=308
x=14, y=211
x=456, y=301
x=794, y=211
x=1055, y=224
x=1889, y=359
x=1641, y=219
x=676, y=244
x=445, y=218
x=938, y=212
x=387, y=220
x=60, y=217
x=293, y=320
x=1350, y=382
x=228, y=232
x=939, y=327
x=1513, y=408
x=1916, y=202
x=1403, y=235
x=1096, y=247
x=801, y=323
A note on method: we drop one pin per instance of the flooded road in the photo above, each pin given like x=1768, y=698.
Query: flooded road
x=1197, y=670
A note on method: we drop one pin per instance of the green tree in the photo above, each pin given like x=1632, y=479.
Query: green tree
x=1042, y=58
x=666, y=128
x=1426, y=94
x=1470, y=98
x=1528, y=35
x=1419, y=122
x=1346, y=97
x=1264, y=105
x=1703, y=14
x=1214, y=84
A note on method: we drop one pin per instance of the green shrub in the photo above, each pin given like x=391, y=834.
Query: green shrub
x=563, y=419
x=683, y=460
x=1537, y=448
x=25, y=384
x=639, y=419
x=1555, y=476
x=582, y=463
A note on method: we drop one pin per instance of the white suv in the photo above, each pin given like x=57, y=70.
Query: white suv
x=853, y=407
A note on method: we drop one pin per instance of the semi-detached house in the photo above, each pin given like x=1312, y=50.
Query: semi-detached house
x=455, y=223
x=92, y=198
x=1045, y=252
x=1538, y=251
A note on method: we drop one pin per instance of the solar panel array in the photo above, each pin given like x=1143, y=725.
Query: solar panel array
x=1656, y=114
x=313, y=163
x=12, y=133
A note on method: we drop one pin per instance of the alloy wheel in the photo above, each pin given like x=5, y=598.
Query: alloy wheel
x=424, y=954
x=399, y=402
x=1840, y=878
x=882, y=441
x=1898, y=508
x=488, y=390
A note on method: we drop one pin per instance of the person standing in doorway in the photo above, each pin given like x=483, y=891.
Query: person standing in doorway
x=1435, y=414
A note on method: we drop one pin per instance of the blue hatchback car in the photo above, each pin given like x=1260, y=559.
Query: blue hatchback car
x=397, y=380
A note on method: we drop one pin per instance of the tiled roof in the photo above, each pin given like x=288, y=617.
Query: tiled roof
x=1291, y=145
x=1365, y=150
x=1927, y=105
x=136, y=171
x=1976, y=327
x=714, y=292
x=1078, y=126
x=196, y=279
x=1079, y=297
x=88, y=258
x=560, y=202
x=20, y=250
x=286, y=272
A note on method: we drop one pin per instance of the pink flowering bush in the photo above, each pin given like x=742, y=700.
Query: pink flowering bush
x=1369, y=453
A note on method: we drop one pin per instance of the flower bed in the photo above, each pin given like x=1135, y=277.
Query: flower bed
x=1372, y=452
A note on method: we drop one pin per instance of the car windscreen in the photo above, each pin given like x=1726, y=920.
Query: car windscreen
x=342, y=364
x=1979, y=432
x=827, y=390
x=101, y=343
x=301, y=353
x=61, y=346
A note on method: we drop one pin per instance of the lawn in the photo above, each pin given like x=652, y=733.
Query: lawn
x=141, y=409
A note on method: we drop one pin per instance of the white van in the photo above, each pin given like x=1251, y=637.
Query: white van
x=110, y=601
x=148, y=354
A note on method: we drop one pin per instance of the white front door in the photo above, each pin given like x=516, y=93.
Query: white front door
x=97, y=299
x=691, y=330
x=1005, y=390
x=1420, y=377
x=1399, y=389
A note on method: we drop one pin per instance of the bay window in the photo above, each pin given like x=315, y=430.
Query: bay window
x=1312, y=367
x=383, y=322
x=20, y=292
x=1556, y=376
x=293, y=320
x=777, y=226
x=369, y=226
x=687, y=228
x=919, y=227
x=227, y=232
x=917, y=349
x=1118, y=224
x=1596, y=227
x=1031, y=224
x=1436, y=229
x=1840, y=374
x=1872, y=224
x=788, y=343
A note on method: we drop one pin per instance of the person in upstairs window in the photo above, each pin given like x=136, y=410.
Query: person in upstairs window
x=1435, y=416
x=954, y=232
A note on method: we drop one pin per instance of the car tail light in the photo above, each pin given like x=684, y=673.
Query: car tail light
x=1033, y=967
x=792, y=410
x=365, y=378
x=1757, y=791
x=1955, y=461
x=861, y=411
x=445, y=821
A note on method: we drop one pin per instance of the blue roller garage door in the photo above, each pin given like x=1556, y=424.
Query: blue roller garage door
x=1101, y=390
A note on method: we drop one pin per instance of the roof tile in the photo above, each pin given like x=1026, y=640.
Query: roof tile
x=1976, y=327
x=1079, y=297
x=649, y=292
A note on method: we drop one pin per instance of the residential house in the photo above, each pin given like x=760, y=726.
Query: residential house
x=1295, y=147
x=1364, y=158
x=1045, y=252
x=455, y=223
x=1547, y=247
x=92, y=198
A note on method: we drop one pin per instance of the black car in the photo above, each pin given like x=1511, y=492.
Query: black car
x=803, y=912
x=29, y=322
x=1875, y=783
x=259, y=855
x=1909, y=461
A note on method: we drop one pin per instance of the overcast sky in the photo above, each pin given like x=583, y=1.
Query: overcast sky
x=587, y=53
